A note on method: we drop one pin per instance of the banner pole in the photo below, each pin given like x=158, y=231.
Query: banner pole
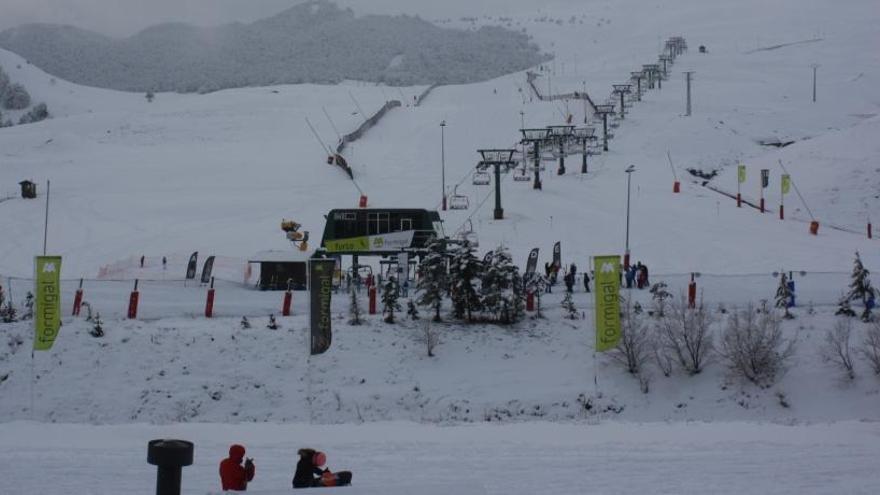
x=46, y=224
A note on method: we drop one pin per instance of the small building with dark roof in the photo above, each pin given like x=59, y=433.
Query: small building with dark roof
x=277, y=267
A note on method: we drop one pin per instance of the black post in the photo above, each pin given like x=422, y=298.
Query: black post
x=537, y=184
x=604, y=131
x=584, y=157
x=499, y=212
x=561, y=169
x=169, y=456
x=622, y=106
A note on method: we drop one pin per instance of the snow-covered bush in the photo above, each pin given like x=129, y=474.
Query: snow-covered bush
x=412, y=310
x=635, y=346
x=36, y=114
x=837, y=350
x=783, y=296
x=15, y=97
x=429, y=336
x=753, y=347
x=97, y=330
x=660, y=295
x=870, y=349
x=685, y=335
x=571, y=311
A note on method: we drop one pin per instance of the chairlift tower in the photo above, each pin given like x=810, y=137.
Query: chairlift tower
x=622, y=90
x=666, y=60
x=560, y=135
x=497, y=159
x=583, y=135
x=637, y=77
x=653, y=71
x=535, y=137
x=605, y=111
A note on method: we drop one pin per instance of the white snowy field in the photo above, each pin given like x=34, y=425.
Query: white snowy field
x=216, y=173
x=398, y=458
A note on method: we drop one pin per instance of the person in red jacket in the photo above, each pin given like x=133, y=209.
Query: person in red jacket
x=234, y=476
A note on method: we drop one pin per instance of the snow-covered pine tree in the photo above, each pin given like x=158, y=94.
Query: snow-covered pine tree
x=783, y=296
x=273, y=325
x=502, y=288
x=8, y=313
x=571, y=311
x=860, y=288
x=97, y=330
x=245, y=324
x=844, y=308
x=660, y=294
x=28, y=306
x=389, y=299
x=465, y=272
x=433, y=281
x=536, y=283
x=354, y=307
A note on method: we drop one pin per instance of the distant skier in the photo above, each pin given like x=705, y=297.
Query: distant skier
x=234, y=476
x=142, y=261
x=164, y=262
x=569, y=281
x=586, y=282
x=309, y=473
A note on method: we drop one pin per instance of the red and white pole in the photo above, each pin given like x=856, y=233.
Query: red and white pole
x=209, y=302
x=133, y=302
x=78, y=298
x=781, y=211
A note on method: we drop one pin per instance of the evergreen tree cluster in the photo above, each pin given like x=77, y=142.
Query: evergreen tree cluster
x=860, y=290
x=478, y=290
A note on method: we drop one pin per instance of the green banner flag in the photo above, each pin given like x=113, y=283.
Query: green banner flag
x=741, y=173
x=786, y=183
x=607, y=285
x=47, y=317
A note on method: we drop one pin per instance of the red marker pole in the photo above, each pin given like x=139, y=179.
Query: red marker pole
x=372, y=292
x=288, y=300
x=78, y=298
x=133, y=302
x=692, y=293
x=209, y=302
x=530, y=301
x=870, y=236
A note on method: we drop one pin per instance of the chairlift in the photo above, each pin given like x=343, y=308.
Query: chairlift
x=458, y=201
x=466, y=233
x=481, y=178
x=521, y=175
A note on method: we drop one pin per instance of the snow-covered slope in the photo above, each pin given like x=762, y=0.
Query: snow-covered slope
x=216, y=173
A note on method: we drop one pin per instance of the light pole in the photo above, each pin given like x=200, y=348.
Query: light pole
x=629, y=170
x=443, y=160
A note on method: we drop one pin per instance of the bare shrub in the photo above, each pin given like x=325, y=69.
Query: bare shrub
x=429, y=336
x=870, y=349
x=635, y=346
x=685, y=335
x=837, y=349
x=754, y=348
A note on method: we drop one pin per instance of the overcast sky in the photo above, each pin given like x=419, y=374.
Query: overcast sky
x=125, y=17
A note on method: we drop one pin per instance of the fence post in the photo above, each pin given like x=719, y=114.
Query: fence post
x=209, y=303
x=133, y=301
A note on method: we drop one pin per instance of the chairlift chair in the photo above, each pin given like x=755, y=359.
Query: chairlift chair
x=521, y=175
x=458, y=201
x=481, y=178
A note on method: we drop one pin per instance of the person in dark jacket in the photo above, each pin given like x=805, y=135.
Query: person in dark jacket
x=307, y=473
x=586, y=282
x=234, y=476
x=569, y=281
